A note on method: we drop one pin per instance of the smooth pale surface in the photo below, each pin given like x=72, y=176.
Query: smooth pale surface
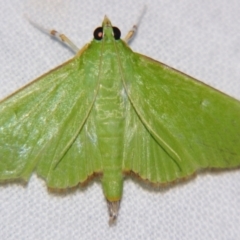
x=206, y=208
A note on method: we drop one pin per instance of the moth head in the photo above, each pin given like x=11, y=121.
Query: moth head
x=107, y=31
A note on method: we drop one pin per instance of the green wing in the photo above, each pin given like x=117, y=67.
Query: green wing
x=40, y=126
x=178, y=125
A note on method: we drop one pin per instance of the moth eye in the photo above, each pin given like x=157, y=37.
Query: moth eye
x=98, y=33
x=116, y=33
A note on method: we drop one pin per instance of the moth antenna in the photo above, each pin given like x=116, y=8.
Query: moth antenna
x=51, y=32
x=133, y=30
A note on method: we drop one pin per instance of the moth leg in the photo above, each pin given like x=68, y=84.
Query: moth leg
x=130, y=34
x=59, y=36
x=133, y=30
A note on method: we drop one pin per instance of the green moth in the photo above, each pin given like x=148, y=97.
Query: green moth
x=111, y=111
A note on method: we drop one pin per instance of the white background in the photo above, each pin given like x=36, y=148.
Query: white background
x=199, y=37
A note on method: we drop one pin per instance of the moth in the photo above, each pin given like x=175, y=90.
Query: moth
x=110, y=111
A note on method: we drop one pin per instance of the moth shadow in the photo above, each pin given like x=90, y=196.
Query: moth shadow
x=9, y=182
x=95, y=178
x=181, y=182
x=80, y=187
x=144, y=183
